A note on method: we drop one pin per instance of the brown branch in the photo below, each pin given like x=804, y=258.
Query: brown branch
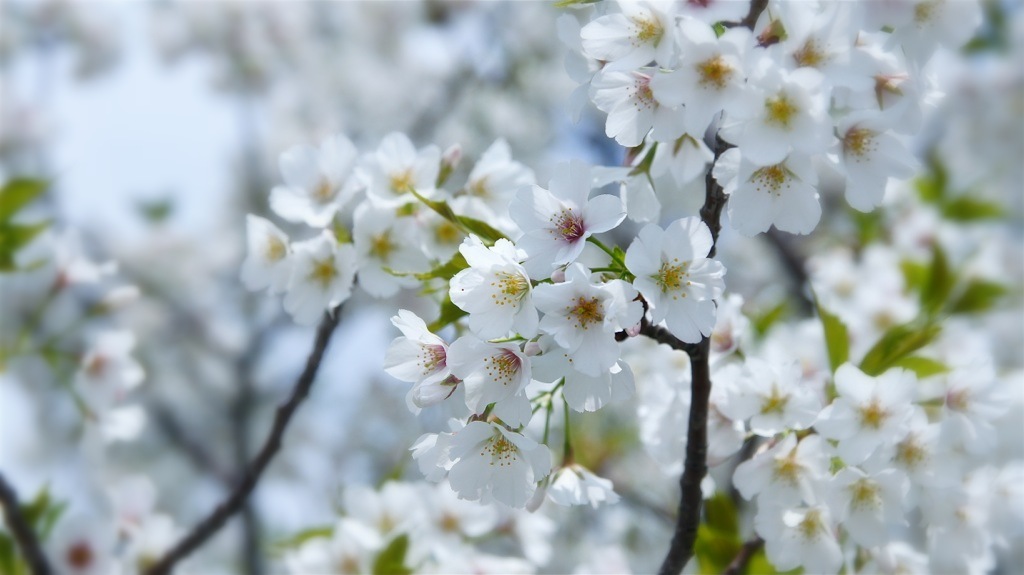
x=24, y=535
x=742, y=559
x=237, y=498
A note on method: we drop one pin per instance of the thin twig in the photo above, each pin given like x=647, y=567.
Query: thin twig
x=236, y=499
x=793, y=262
x=24, y=535
x=742, y=559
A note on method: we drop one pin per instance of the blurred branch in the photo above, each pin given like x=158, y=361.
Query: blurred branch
x=24, y=535
x=194, y=450
x=793, y=261
x=742, y=559
x=237, y=498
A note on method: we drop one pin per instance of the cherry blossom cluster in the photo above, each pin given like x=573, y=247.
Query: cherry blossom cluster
x=536, y=323
x=808, y=83
x=421, y=527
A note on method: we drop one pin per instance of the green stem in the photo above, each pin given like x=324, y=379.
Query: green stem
x=615, y=257
x=567, y=455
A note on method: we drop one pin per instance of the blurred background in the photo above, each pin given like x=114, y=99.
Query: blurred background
x=158, y=126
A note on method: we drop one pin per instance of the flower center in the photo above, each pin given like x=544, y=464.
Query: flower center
x=401, y=182
x=275, y=249
x=510, y=288
x=714, y=72
x=647, y=30
x=432, y=358
x=322, y=272
x=873, y=415
x=810, y=55
x=503, y=367
x=586, y=311
x=80, y=556
x=811, y=525
x=672, y=276
x=780, y=111
x=864, y=495
x=771, y=178
x=910, y=453
x=924, y=12
x=97, y=366
x=569, y=225
x=958, y=400
x=787, y=469
x=381, y=246
x=446, y=233
x=858, y=142
x=324, y=192
x=774, y=403
x=503, y=452
x=479, y=188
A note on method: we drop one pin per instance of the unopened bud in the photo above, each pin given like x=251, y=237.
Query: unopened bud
x=558, y=276
x=531, y=348
x=449, y=161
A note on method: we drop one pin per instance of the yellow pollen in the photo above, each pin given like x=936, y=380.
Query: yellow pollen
x=324, y=192
x=910, y=453
x=503, y=367
x=873, y=415
x=449, y=523
x=509, y=288
x=809, y=55
x=502, y=451
x=479, y=188
x=864, y=494
x=924, y=12
x=432, y=357
x=401, y=182
x=858, y=142
x=771, y=178
x=647, y=30
x=446, y=233
x=714, y=72
x=568, y=225
x=323, y=272
x=774, y=403
x=381, y=246
x=787, y=469
x=672, y=276
x=811, y=525
x=958, y=400
x=275, y=249
x=780, y=111
x=586, y=311
x=349, y=565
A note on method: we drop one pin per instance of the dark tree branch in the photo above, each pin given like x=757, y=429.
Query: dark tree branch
x=237, y=498
x=24, y=535
x=742, y=559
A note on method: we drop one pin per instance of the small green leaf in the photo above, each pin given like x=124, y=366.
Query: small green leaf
x=759, y=565
x=978, y=296
x=391, y=560
x=914, y=274
x=486, y=232
x=939, y=282
x=896, y=344
x=279, y=547
x=341, y=233
x=968, y=209
x=764, y=321
x=837, y=337
x=13, y=237
x=714, y=549
x=446, y=270
x=9, y=561
x=922, y=366
x=720, y=514
x=449, y=314
x=16, y=194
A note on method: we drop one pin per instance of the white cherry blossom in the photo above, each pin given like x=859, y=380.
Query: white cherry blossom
x=318, y=182
x=785, y=474
x=574, y=484
x=495, y=290
x=642, y=32
x=495, y=464
x=781, y=194
x=556, y=222
x=267, y=263
x=802, y=536
x=772, y=395
x=419, y=357
x=396, y=168
x=675, y=276
x=492, y=373
x=323, y=272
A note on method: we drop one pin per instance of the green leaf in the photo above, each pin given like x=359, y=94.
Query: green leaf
x=391, y=560
x=486, y=232
x=896, y=344
x=446, y=270
x=13, y=237
x=914, y=274
x=978, y=296
x=720, y=514
x=9, y=561
x=968, y=209
x=449, y=314
x=837, y=337
x=922, y=366
x=16, y=194
x=764, y=321
x=279, y=547
x=759, y=565
x=714, y=549
x=939, y=282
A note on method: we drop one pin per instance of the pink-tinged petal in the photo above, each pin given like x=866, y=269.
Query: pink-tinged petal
x=603, y=213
